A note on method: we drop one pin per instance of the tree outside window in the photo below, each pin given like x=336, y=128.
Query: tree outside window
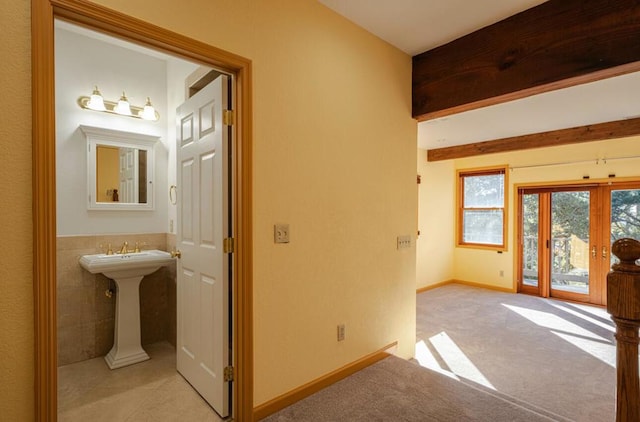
x=481, y=208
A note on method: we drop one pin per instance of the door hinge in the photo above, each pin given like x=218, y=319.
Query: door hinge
x=227, y=117
x=228, y=374
x=228, y=245
x=419, y=179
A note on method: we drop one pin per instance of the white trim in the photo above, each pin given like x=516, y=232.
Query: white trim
x=101, y=136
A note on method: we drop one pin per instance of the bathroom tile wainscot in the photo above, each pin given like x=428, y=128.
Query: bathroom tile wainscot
x=86, y=314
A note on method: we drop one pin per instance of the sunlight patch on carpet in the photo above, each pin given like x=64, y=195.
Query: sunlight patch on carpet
x=426, y=359
x=598, y=312
x=553, y=322
x=601, y=351
x=457, y=360
x=608, y=327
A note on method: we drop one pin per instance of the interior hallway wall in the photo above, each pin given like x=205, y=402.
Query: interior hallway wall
x=436, y=222
x=334, y=156
x=16, y=269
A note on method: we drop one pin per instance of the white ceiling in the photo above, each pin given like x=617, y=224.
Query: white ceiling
x=415, y=26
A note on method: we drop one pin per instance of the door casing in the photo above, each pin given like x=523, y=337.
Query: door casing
x=120, y=25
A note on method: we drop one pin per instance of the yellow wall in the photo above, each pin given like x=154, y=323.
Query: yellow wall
x=107, y=172
x=334, y=156
x=435, y=249
x=16, y=298
x=483, y=266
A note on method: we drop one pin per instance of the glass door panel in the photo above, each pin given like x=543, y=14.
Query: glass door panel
x=530, y=224
x=625, y=216
x=572, y=229
x=569, y=244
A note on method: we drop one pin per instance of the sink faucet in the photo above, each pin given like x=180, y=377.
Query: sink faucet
x=125, y=248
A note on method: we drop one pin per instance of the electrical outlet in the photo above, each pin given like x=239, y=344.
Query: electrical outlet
x=341, y=332
x=171, y=226
x=281, y=233
x=404, y=241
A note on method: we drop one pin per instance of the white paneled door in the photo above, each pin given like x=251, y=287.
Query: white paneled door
x=203, y=349
x=128, y=175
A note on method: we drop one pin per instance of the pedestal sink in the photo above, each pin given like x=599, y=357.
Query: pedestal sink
x=127, y=270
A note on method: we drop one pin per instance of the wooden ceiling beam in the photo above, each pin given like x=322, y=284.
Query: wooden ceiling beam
x=597, y=132
x=558, y=44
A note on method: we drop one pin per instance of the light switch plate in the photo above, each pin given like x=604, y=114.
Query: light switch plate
x=404, y=241
x=281, y=233
x=341, y=332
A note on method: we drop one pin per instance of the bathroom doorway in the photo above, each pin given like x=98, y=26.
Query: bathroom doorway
x=198, y=215
x=45, y=226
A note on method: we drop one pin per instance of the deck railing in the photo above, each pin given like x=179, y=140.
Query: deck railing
x=570, y=260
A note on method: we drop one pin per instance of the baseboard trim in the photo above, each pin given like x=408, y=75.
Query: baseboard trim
x=318, y=384
x=485, y=286
x=467, y=283
x=434, y=286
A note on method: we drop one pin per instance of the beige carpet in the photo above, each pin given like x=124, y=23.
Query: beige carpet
x=492, y=357
x=556, y=355
x=397, y=390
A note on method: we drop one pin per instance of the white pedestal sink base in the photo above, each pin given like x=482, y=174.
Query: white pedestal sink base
x=114, y=361
x=127, y=270
x=127, y=348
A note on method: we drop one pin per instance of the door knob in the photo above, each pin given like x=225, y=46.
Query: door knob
x=176, y=254
x=604, y=252
x=593, y=252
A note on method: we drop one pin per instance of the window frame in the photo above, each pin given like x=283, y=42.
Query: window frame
x=461, y=174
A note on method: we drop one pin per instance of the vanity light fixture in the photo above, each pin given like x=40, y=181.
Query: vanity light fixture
x=122, y=107
x=96, y=102
x=148, y=112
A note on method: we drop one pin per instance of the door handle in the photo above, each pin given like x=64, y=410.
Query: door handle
x=604, y=252
x=176, y=254
x=593, y=252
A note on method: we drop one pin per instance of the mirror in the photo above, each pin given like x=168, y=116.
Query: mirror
x=119, y=169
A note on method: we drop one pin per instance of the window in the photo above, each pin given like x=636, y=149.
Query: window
x=482, y=217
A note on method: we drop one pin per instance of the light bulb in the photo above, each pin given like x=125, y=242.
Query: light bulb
x=96, y=102
x=148, y=113
x=123, y=106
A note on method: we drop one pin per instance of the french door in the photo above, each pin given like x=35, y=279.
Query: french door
x=565, y=236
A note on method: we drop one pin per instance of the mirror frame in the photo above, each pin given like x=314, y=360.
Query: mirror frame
x=115, y=138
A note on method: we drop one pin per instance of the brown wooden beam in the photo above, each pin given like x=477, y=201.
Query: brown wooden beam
x=557, y=44
x=598, y=132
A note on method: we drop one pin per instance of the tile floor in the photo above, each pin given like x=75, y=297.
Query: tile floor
x=147, y=391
